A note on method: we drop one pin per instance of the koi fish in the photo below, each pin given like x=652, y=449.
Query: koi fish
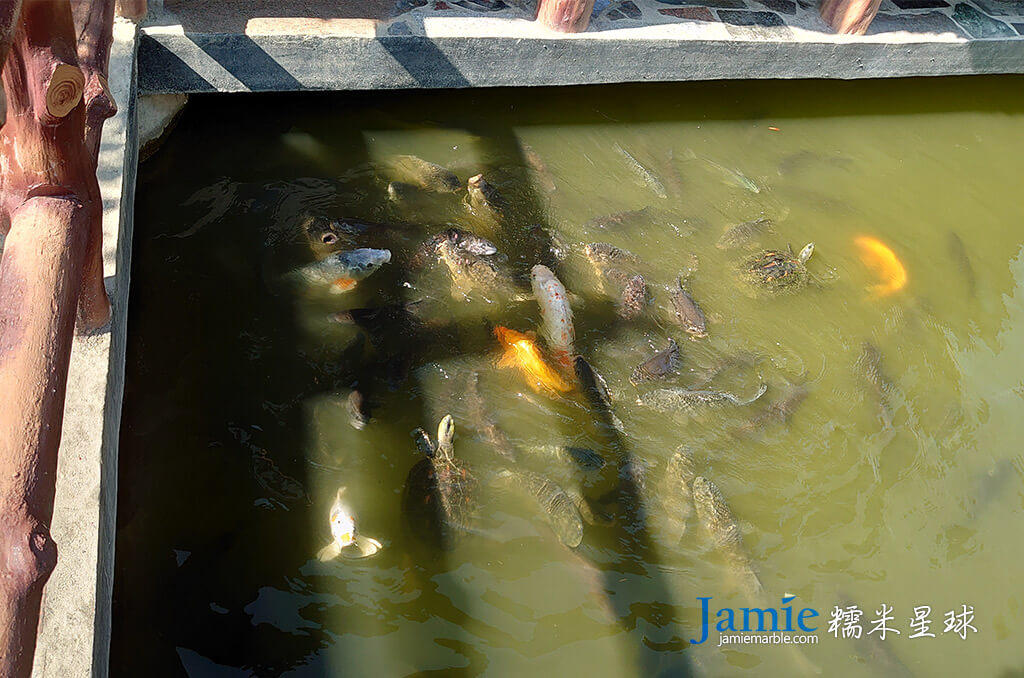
x=343, y=270
x=556, y=313
x=877, y=256
x=521, y=351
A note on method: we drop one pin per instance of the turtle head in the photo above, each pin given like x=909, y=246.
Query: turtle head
x=446, y=435
x=806, y=253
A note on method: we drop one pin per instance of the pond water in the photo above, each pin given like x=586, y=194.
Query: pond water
x=880, y=467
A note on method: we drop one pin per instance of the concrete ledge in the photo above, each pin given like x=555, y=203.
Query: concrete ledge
x=171, y=62
x=74, y=628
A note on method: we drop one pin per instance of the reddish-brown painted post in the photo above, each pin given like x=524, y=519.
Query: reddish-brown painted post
x=850, y=17
x=566, y=16
x=131, y=9
x=50, y=202
x=94, y=21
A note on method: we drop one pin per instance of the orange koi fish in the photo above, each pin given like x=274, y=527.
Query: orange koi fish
x=877, y=256
x=521, y=351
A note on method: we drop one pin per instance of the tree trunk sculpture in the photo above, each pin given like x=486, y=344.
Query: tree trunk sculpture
x=55, y=82
x=849, y=17
x=565, y=16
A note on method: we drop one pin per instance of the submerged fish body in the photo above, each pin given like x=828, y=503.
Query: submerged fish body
x=718, y=519
x=558, y=508
x=464, y=240
x=582, y=457
x=425, y=174
x=673, y=399
x=686, y=312
x=602, y=254
x=677, y=494
x=273, y=480
x=484, y=199
x=342, y=270
x=958, y=253
x=617, y=271
x=744, y=234
x=474, y=271
x=729, y=176
x=538, y=167
x=620, y=220
x=556, y=313
x=869, y=365
x=595, y=388
x=659, y=365
x=779, y=411
x=642, y=173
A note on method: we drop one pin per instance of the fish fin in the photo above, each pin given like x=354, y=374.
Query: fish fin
x=507, y=359
x=688, y=154
x=362, y=547
x=342, y=285
x=329, y=552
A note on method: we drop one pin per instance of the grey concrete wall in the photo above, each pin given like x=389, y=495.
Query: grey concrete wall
x=172, y=60
x=74, y=628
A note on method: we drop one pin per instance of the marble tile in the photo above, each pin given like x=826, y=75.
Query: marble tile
x=920, y=4
x=780, y=6
x=980, y=25
x=694, y=13
x=1001, y=7
x=724, y=4
x=930, y=22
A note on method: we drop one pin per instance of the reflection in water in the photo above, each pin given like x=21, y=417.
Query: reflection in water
x=878, y=460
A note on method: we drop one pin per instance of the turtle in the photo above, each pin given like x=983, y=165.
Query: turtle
x=777, y=270
x=441, y=491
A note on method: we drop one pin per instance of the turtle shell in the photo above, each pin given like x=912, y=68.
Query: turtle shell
x=775, y=270
x=439, y=501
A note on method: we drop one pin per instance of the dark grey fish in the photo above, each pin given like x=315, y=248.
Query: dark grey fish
x=470, y=242
x=485, y=200
x=620, y=220
x=399, y=191
x=676, y=495
x=583, y=457
x=714, y=512
x=795, y=162
x=426, y=175
x=633, y=299
x=483, y=423
x=596, y=390
x=869, y=364
x=358, y=413
x=743, y=234
x=270, y=477
x=558, y=507
x=472, y=271
x=958, y=252
x=662, y=363
x=538, y=167
x=645, y=175
x=779, y=411
x=704, y=376
x=878, y=654
x=601, y=255
x=673, y=399
x=686, y=312
x=992, y=484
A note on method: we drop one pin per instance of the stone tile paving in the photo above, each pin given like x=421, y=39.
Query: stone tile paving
x=748, y=20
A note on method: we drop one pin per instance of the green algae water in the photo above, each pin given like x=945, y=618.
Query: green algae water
x=892, y=483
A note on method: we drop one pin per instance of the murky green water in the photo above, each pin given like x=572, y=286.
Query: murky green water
x=216, y=568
